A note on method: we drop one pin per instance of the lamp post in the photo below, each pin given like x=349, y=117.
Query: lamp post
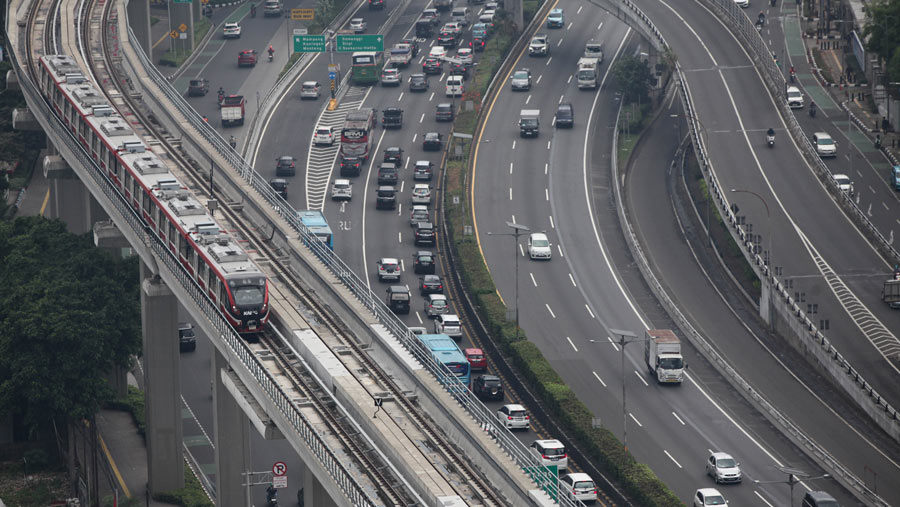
x=518, y=230
x=768, y=222
x=794, y=476
x=625, y=337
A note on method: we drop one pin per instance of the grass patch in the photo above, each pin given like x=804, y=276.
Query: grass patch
x=21, y=486
x=326, y=11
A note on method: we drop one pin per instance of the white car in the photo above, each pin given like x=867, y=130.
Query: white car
x=464, y=55
x=487, y=16
x=708, y=496
x=421, y=194
x=358, y=25
x=388, y=269
x=551, y=452
x=418, y=330
x=742, y=3
x=452, y=27
x=540, y=45
x=341, y=190
x=449, y=325
x=794, y=97
x=723, y=468
x=825, y=145
x=454, y=86
x=844, y=183
x=324, y=136
x=513, y=417
x=438, y=52
x=231, y=31
x=579, y=487
x=310, y=90
x=539, y=246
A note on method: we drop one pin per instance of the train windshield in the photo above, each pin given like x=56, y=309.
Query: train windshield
x=249, y=291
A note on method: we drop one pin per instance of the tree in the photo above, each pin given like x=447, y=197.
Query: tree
x=69, y=313
x=633, y=78
x=883, y=33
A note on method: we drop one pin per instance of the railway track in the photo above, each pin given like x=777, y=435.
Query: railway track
x=93, y=47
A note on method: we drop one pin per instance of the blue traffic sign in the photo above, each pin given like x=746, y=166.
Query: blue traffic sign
x=332, y=75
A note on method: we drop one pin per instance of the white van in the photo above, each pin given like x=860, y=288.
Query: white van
x=454, y=86
x=551, y=452
x=461, y=15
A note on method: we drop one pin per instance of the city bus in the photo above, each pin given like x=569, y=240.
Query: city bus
x=315, y=221
x=366, y=67
x=444, y=350
x=356, y=136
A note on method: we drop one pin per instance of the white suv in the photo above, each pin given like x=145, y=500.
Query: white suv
x=514, y=417
x=551, y=452
x=341, y=190
x=388, y=269
x=323, y=136
x=794, y=97
x=579, y=487
x=421, y=194
x=449, y=325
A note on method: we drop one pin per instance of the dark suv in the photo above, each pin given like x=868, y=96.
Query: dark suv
x=284, y=166
x=444, y=112
x=187, y=342
x=393, y=155
x=386, y=198
x=279, y=185
x=423, y=262
x=488, y=387
x=424, y=233
x=418, y=83
x=565, y=115
x=387, y=174
x=398, y=298
x=430, y=284
x=433, y=66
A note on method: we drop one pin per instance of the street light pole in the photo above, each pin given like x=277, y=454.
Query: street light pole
x=625, y=337
x=794, y=477
x=518, y=230
x=768, y=223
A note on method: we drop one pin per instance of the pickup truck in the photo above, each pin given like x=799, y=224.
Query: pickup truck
x=401, y=54
x=232, y=110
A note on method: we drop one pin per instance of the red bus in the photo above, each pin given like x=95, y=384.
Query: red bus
x=356, y=140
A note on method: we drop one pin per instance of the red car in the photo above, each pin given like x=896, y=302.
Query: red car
x=477, y=359
x=247, y=58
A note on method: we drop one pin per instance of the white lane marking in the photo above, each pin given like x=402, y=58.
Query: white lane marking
x=579, y=9
x=553, y=121
x=399, y=236
x=403, y=268
x=570, y=79
x=513, y=219
x=558, y=42
x=673, y=459
x=442, y=77
x=528, y=99
x=415, y=136
x=642, y=378
x=550, y=310
x=633, y=418
x=400, y=97
x=763, y=499
x=885, y=206
x=559, y=248
x=572, y=344
x=614, y=344
x=510, y=193
x=422, y=118
x=521, y=250
x=570, y=25
x=514, y=144
x=679, y=420
x=510, y=167
x=572, y=279
x=561, y=97
x=402, y=183
x=546, y=194
x=431, y=97
x=589, y=311
x=546, y=167
x=400, y=209
x=548, y=145
x=599, y=26
x=551, y=222
x=406, y=165
x=549, y=60
x=533, y=281
x=599, y=379
x=419, y=317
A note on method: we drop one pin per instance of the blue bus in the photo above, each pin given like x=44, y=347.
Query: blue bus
x=315, y=222
x=446, y=351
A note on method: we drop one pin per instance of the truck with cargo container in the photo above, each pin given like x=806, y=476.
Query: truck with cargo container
x=588, y=73
x=662, y=352
x=529, y=122
x=890, y=294
x=232, y=110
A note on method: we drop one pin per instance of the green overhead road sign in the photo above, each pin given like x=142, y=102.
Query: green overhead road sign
x=309, y=44
x=349, y=43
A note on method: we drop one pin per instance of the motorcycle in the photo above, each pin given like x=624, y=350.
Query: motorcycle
x=271, y=55
x=221, y=98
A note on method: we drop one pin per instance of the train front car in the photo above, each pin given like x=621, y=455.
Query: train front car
x=249, y=301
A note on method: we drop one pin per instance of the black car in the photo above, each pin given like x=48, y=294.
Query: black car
x=418, y=83
x=432, y=66
x=279, y=185
x=350, y=166
x=432, y=142
x=443, y=112
x=393, y=155
x=392, y=117
x=430, y=284
x=413, y=45
x=488, y=387
x=398, y=298
x=477, y=44
x=187, y=341
x=448, y=40
x=459, y=69
x=284, y=166
x=386, y=198
x=198, y=87
x=424, y=28
x=423, y=263
x=565, y=115
x=423, y=233
x=387, y=174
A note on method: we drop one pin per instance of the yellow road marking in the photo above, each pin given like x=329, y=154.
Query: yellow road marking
x=46, y=200
x=115, y=469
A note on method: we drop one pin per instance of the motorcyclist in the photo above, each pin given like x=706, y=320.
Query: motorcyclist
x=761, y=18
x=221, y=93
x=770, y=136
x=233, y=142
x=271, y=51
x=812, y=109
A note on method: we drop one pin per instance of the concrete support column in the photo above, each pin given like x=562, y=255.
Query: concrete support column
x=766, y=294
x=139, y=20
x=232, y=437
x=159, y=320
x=314, y=493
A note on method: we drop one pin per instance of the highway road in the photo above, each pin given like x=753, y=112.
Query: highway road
x=562, y=300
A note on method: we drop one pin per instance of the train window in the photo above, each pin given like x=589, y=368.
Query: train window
x=185, y=246
x=191, y=258
x=222, y=297
x=172, y=236
x=146, y=203
x=95, y=142
x=111, y=156
x=211, y=278
x=136, y=190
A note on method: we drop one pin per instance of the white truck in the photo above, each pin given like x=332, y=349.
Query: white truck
x=662, y=351
x=890, y=294
x=232, y=110
x=443, y=5
x=401, y=54
x=588, y=73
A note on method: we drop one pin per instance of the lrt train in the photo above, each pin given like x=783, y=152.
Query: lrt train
x=213, y=257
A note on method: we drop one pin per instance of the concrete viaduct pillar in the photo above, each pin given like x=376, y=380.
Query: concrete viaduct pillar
x=159, y=320
x=232, y=437
x=139, y=19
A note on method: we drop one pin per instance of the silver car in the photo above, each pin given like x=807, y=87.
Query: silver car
x=723, y=468
x=341, y=190
x=421, y=194
x=309, y=90
x=521, y=80
x=436, y=304
x=391, y=77
x=419, y=213
x=513, y=417
x=358, y=25
x=388, y=269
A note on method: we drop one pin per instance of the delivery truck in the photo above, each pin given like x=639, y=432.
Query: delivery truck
x=662, y=351
x=233, y=110
x=529, y=122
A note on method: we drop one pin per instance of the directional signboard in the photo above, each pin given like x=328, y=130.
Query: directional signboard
x=303, y=14
x=309, y=44
x=348, y=43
